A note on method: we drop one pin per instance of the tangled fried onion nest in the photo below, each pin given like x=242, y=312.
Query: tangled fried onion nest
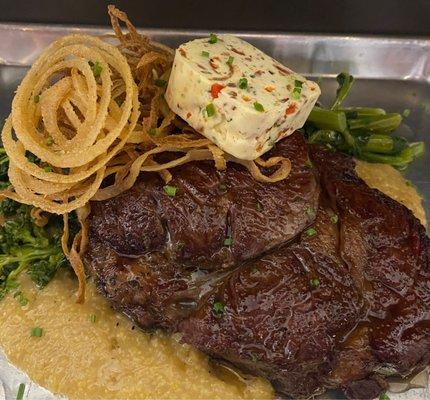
x=87, y=110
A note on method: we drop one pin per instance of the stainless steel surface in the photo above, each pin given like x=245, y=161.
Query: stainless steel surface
x=392, y=73
x=11, y=378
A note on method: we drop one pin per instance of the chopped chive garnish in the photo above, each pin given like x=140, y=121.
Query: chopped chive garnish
x=296, y=93
x=406, y=112
x=309, y=163
x=21, y=390
x=384, y=396
x=297, y=89
x=315, y=282
x=271, y=142
x=23, y=301
x=160, y=82
x=12, y=284
x=243, y=83
x=218, y=308
x=311, y=232
x=48, y=168
x=334, y=218
x=205, y=53
x=170, y=190
x=230, y=60
x=36, y=332
x=228, y=241
x=310, y=211
x=210, y=109
x=93, y=318
x=96, y=68
x=222, y=187
x=213, y=38
x=259, y=206
x=258, y=106
x=49, y=141
x=36, y=98
x=152, y=132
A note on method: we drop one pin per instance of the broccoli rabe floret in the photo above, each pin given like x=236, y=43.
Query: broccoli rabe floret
x=41, y=265
x=8, y=207
x=24, y=246
x=41, y=272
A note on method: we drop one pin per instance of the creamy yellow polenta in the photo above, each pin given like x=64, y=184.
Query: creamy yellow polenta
x=91, y=352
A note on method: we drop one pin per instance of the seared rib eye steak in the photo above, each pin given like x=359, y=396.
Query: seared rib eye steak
x=209, y=207
x=326, y=282
x=186, y=233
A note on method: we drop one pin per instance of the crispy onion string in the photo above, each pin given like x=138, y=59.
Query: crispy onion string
x=65, y=115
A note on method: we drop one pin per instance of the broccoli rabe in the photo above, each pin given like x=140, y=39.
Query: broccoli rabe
x=24, y=246
x=363, y=132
